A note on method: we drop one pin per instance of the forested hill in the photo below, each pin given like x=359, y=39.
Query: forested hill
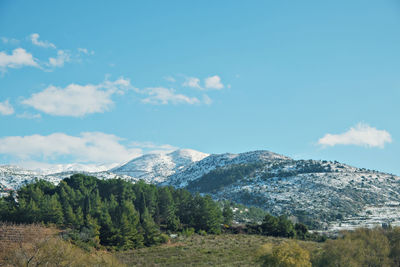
x=113, y=212
x=323, y=194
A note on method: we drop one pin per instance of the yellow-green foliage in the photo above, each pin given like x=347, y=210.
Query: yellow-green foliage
x=286, y=254
x=363, y=247
x=54, y=251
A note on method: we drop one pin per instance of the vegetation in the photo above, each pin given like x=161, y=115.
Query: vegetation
x=363, y=247
x=210, y=250
x=36, y=245
x=112, y=213
x=221, y=177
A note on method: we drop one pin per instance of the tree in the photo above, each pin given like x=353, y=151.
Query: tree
x=227, y=213
x=151, y=231
x=208, y=215
x=51, y=210
x=129, y=226
x=301, y=230
x=363, y=247
x=167, y=209
x=269, y=225
x=287, y=254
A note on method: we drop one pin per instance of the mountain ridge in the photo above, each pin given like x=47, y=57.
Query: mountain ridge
x=323, y=194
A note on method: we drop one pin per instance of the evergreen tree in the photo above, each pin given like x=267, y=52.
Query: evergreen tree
x=227, y=213
x=150, y=229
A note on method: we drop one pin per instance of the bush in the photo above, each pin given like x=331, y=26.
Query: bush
x=188, y=232
x=286, y=254
x=363, y=247
x=202, y=232
x=56, y=252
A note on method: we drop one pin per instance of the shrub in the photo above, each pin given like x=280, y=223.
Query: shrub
x=286, y=254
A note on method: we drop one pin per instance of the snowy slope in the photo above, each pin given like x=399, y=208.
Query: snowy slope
x=156, y=168
x=327, y=195
x=198, y=169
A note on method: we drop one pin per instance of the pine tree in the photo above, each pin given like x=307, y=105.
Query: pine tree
x=69, y=216
x=129, y=226
x=167, y=209
x=227, y=213
x=151, y=231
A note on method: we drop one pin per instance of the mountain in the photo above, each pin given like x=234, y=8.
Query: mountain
x=156, y=168
x=212, y=162
x=13, y=177
x=323, y=194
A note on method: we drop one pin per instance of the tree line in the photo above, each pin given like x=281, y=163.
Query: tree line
x=122, y=215
x=113, y=212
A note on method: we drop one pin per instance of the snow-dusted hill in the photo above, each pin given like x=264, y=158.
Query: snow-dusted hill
x=325, y=194
x=156, y=168
x=204, y=166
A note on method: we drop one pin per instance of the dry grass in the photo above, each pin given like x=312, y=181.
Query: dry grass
x=211, y=250
x=36, y=245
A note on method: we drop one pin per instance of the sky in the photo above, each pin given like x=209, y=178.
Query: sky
x=102, y=82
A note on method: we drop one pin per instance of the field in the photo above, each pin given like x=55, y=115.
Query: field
x=210, y=250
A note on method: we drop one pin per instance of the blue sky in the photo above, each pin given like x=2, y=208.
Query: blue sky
x=102, y=82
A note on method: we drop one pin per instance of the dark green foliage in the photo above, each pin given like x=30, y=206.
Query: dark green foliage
x=112, y=212
x=282, y=227
x=221, y=177
x=227, y=213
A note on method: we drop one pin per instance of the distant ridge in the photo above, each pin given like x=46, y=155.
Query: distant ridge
x=324, y=194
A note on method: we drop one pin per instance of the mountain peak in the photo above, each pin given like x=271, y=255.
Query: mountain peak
x=157, y=167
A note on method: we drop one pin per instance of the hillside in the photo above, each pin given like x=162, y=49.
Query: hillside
x=325, y=195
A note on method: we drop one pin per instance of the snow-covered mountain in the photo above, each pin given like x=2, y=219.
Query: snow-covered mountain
x=156, y=168
x=327, y=195
x=324, y=194
x=204, y=166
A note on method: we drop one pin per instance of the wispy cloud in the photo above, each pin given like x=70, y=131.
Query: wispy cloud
x=19, y=58
x=77, y=100
x=359, y=135
x=6, y=108
x=45, y=44
x=27, y=115
x=192, y=82
x=85, y=51
x=163, y=96
x=11, y=41
x=62, y=57
x=170, y=79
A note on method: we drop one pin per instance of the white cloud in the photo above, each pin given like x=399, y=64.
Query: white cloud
x=87, y=147
x=17, y=59
x=35, y=40
x=6, y=108
x=163, y=96
x=27, y=115
x=62, y=57
x=77, y=100
x=192, y=82
x=360, y=135
x=213, y=82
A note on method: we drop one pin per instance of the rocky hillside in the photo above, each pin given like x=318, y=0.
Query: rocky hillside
x=157, y=168
x=320, y=193
x=323, y=194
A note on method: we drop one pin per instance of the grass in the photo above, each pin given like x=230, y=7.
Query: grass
x=210, y=250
